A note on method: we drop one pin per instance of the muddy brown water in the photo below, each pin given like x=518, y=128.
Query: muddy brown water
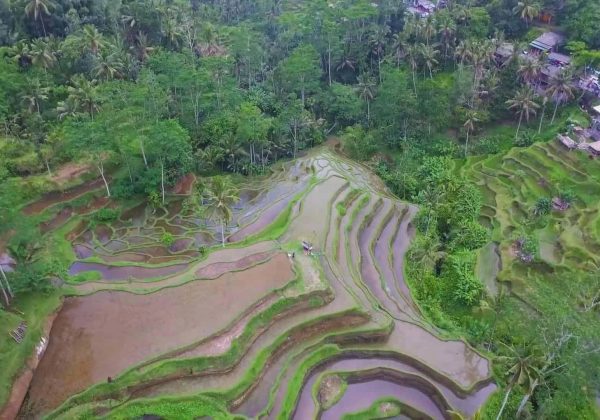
x=98, y=336
x=61, y=217
x=360, y=396
x=217, y=269
x=465, y=404
x=266, y=218
x=55, y=197
x=119, y=273
x=184, y=185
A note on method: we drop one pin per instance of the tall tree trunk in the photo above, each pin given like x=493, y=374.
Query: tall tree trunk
x=519, y=125
x=329, y=61
x=302, y=90
x=48, y=167
x=295, y=140
x=43, y=26
x=554, y=114
x=10, y=292
x=526, y=397
x=144, y=153
x=467, y=144
x=542, y=118
x=368, y=111
x=162, y=180
x=6, y=299
x=129, y=172
x=504, y=403
x=223, y=232
x=100, y=166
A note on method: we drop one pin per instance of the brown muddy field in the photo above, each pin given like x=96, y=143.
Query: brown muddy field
x=98, y=336
x=55, y=197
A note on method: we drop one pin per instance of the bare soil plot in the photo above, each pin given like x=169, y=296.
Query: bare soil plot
x=97, y=336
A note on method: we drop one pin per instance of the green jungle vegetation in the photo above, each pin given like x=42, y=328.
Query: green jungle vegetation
x=133, y=95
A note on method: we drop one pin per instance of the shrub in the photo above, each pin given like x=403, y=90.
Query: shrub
x=358, y=143
x=488, y=146
x=526, y=138
x=469, y=235
x=167, y=239
x=567, y=196
x=461, y=285
x=542, y=207
x=106, y=215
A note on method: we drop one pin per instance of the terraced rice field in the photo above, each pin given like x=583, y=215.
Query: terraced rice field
x=247, y=330
x=511, y=185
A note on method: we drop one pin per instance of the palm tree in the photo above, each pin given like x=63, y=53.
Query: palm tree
x=560, y=89
x=84, y=93
x=108, y=65
x=469, y=125
x=67, y=108
x=428, y=54
x=447, y=32
x=171, y=33
x=346, y=62
x=428, y=29
x=34, y=97
x=21, y=54
x=366, y=91
x=464, y=51
x=142, y=47
x=37, y=8
x=399, y=47
x=430, y=250
x=378, y=41
x=524, y=105
x=412, y=53
x=93, y=38
x=231, y=147
x=221, y=196
x=530, y=69
x=527, y=9
x=41, y=54
x=524, y=369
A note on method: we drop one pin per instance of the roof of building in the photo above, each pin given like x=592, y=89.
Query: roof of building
x=597, y=109
x=426, y=4
x=551, y=70
x=595, y=146
x=547, y=41
x=505, y=50
x=554, y=56
x=567, y=141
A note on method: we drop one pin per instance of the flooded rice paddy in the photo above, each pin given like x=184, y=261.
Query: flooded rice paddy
x=192, y=299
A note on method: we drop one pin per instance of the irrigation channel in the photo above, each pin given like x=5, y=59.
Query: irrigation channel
x=248, y=325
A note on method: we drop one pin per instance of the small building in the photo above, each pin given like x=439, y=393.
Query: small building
x=590, y=83
x=421, y=8
x=558, y=59
x=593, y=132
x=567, y=141
x=594, y=148
x=547, y=42
x=503, y=53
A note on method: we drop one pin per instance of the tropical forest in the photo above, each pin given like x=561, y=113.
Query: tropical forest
x=300, y=209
